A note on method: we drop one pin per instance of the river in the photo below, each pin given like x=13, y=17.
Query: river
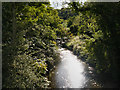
x=71, y=72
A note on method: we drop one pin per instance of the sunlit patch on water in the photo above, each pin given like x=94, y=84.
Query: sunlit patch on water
x=70, y=72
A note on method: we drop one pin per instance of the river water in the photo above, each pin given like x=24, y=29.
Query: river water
x=71, y=72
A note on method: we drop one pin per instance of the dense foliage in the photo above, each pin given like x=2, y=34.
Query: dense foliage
x=96, y=36
x=29, y=53
x=66, y=13
x=29, y=38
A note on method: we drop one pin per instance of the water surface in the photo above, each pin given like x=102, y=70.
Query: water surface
x=71, y=72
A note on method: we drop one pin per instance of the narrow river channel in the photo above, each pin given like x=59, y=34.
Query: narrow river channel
x=71, y=72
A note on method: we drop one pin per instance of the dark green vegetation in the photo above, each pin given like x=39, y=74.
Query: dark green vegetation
x=29, y=48
x=96, y=37
x=66, y=13
x=29, y=38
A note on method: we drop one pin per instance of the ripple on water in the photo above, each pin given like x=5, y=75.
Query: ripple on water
x=71, y=72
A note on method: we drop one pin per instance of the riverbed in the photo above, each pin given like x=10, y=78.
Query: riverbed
x=72, y=72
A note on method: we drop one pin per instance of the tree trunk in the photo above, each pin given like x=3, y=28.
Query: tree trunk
x=14, y=24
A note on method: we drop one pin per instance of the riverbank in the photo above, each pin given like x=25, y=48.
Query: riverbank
x=104, y=79
x=71, y=72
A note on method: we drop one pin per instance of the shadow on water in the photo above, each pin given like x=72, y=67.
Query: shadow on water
x=71, y=72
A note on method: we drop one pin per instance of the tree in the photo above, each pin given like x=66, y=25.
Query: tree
x=29, y=33
x=99, y=23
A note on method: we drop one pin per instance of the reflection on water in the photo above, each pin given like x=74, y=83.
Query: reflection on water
x=71, y=72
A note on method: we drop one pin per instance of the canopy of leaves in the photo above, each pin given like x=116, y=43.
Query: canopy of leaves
x=29, y=41
x=96, y=35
